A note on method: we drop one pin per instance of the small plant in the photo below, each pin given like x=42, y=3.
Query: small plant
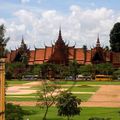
x=13, y=112
x=47, y=96
x=68, y=105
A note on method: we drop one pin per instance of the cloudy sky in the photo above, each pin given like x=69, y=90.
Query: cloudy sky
x=39, y=21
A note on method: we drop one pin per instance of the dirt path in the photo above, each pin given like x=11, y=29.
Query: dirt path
x=22, y=89
x=106, y=96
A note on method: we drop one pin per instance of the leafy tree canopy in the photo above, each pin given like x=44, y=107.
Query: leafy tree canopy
x=115, y=38
x=68, y=105
x=3, y=40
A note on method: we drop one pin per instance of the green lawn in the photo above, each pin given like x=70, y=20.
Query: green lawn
x=36, y=113
x=89, y=82
x=21, y=98
x=33, y=94
x=83, y=97
x=13, y=82
x=83, y=88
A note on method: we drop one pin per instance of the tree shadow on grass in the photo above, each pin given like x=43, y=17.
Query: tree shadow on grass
x=31, y=112
x=55, y=119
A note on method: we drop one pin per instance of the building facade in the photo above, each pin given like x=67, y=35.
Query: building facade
x=62, y=53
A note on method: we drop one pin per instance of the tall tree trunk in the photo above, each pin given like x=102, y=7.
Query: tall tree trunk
x=44, y=118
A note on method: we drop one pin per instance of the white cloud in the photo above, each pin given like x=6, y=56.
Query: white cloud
x=80, y=25
x=25, y=1
x=2, y=21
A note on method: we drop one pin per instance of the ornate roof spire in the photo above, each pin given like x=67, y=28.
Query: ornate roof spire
x=23, y=45
x=60, y=35
x=98, y=42
x=22, y=42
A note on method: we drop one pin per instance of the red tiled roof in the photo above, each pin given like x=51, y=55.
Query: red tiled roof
x=30, y=63
x=31, y=57
x=48, y=52
x=88, y=56
x=116, y=58
x=79, y=54
x=71, y=53
x=39, y=54
x=107, y=56
x=80, y=61
x=38, y=62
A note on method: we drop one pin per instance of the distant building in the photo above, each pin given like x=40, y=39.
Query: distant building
x=62, y=53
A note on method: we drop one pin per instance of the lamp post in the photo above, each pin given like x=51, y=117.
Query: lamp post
x=2, y=83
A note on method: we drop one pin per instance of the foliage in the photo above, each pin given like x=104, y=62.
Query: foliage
x=73, y=68
x=15, y=70
x=47, y=96
x=104, y=68
x=3, y=41
x=68, y=105
x=115, y=38
x=86, y=70
x=36, y=70
x=13, y=112
x=49, y=70
x=116, y=73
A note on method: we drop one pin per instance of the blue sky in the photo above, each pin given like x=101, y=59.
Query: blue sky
x=39, y=20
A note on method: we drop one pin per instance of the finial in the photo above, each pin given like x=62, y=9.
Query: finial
x=60, y=35
x=98, y=41
x=22, y=39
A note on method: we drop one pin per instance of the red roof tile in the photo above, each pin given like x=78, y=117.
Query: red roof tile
x=39, y=54
x=71, y=53
x=116, y=57
x=48, y=52
x=79, y=54
x=88, y=56
x=31, y=57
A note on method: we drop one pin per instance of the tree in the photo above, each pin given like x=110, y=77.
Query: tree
x=73, y=67
x=13, y=112
x=47, y=96
x=85, y=52
x=104, y=68
x=115, y=38
x=3, y=40
x=86, y=70
x=68, y=105
x=15, y=70
x=116, y=74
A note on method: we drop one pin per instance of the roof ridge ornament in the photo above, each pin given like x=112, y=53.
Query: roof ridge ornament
x=98, y=41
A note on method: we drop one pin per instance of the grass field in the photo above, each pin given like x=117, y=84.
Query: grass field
x=89, y=82
x=83, y=97
x=36, y=113
x=83, y=88
x=13, y=82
